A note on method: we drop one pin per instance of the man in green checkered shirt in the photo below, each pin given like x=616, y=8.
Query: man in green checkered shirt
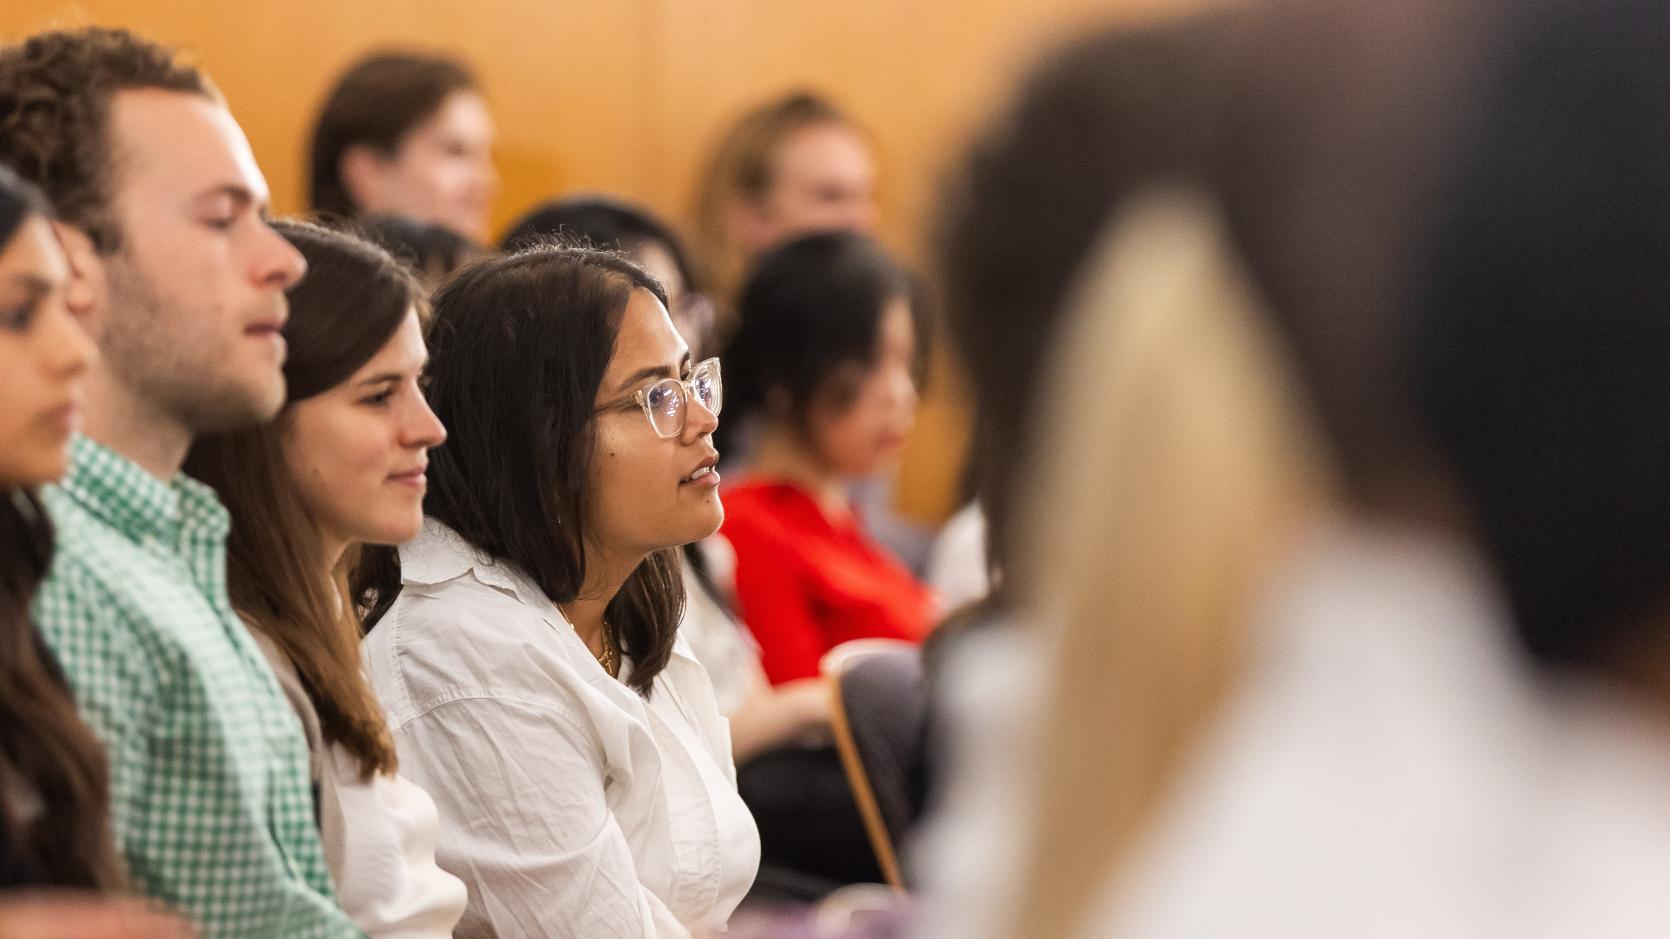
x=181, y=282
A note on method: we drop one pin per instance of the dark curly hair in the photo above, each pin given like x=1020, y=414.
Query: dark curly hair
x=55, y=94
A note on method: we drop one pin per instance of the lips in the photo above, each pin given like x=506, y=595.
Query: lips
x=703, y=473
x=271, y=331
x=412, y=477
x=65, y=418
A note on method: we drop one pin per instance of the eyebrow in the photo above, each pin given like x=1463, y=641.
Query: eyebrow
x=659, y=371
x=32, y=285
x=384, y=377
x=241, y=196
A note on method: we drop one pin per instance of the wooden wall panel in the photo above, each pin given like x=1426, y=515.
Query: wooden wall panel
x=625, y=95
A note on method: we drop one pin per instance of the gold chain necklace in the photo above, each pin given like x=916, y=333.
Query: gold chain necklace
x=609, y=658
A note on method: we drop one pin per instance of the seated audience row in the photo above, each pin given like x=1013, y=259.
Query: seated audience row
x=523, y=661
x=527, y=741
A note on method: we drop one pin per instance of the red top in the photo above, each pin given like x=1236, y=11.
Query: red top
x=805, y=584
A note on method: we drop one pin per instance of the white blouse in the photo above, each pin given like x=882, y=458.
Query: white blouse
x=570, y=806
x=379, y=834
x=1391, y=766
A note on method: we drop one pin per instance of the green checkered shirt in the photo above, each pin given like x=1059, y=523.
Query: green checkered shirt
x=211, y=798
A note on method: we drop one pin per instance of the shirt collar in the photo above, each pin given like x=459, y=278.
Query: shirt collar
x=439, y=554
x=123, y=495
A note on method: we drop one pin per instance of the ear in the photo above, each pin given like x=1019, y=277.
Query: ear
x=364, y=174
x=85, y=294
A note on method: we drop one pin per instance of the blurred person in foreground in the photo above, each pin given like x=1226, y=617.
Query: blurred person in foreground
x=57, y=853
x=1352, y=598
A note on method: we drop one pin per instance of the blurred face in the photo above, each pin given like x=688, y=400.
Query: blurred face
x=43, y=355
x=823, y=179
x=194, y=295
x=692, y=314
x=358, y=451
x=442, y=172
x=650, y=493
x=862, y=421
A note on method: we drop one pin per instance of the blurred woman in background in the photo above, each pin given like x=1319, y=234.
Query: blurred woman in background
x=405, y=133
x=824, y=360
x=789, y=167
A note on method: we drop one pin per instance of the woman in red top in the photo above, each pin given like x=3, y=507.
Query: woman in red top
x=824, y=361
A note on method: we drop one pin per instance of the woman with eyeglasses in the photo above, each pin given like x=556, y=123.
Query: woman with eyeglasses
x=527, y=653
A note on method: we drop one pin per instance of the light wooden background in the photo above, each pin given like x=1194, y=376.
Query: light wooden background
x=625, y=96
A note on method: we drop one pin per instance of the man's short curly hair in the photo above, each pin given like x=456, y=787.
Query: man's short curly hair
x=55, y=94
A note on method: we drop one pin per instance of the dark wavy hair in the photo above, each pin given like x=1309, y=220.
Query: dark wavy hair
x=353, y=299
x=43, y=742
x=603, y=222
x=518, y=349
x=1541, y=342
x=55, y=93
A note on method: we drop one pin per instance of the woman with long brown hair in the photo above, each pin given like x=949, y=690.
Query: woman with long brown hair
x=343, y=465
x=54, y=789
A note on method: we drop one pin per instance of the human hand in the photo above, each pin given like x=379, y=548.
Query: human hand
x=808, y=700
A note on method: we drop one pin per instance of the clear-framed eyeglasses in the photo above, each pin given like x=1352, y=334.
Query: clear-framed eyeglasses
x=667, y=402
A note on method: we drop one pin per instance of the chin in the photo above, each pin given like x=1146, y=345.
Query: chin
x=704, y=525
x=398, y=532
x=37, y=469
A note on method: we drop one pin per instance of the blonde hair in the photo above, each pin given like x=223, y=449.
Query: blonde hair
x=1178, y=463
x=741, y=167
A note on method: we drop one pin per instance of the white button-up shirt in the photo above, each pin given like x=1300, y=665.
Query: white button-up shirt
x=570, y=806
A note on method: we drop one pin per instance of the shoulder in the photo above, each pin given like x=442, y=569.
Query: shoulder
x=768, y=513
x=464, y=644
x=83, y=611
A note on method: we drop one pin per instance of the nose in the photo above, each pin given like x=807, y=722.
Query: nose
x=698, y=421
x=70, y=351
x=424, y=430
x=277, y=262
x=901, y=389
